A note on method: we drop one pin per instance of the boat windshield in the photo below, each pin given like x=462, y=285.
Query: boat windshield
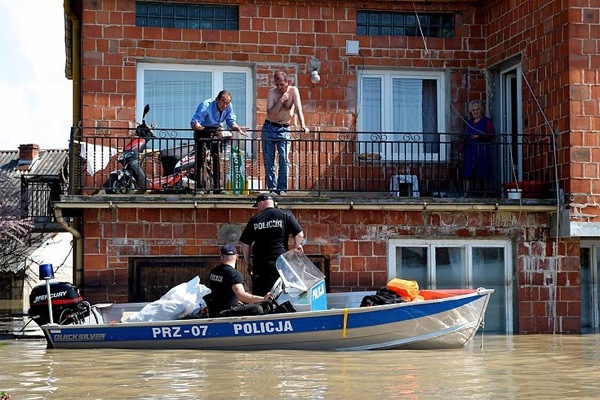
x=297, y=272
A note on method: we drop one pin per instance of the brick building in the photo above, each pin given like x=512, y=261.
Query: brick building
x=391, y=70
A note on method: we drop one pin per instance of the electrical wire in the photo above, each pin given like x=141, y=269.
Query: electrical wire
x=553, y=266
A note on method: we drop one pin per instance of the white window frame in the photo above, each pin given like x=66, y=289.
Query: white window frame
x=387, y=110
x=467, y=245
x=217, y=84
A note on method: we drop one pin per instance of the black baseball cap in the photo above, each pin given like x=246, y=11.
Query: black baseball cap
x=228, y=250
x=262, y=197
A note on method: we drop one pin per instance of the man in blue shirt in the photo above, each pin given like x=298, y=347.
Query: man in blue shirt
x=206, y=122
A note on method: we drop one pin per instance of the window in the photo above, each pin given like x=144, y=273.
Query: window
x=174, y=92
x=409, y=107
x=590, y=286
x=385, y=23
x=186, y=16
x=449, y=264
x=6, y=288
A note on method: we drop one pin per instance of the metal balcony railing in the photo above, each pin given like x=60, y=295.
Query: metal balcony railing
x=397, y=164
x=38, y=195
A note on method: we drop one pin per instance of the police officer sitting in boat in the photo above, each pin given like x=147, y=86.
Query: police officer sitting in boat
x=228, y=296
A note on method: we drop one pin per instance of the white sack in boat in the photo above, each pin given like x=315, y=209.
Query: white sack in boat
x=176, y=303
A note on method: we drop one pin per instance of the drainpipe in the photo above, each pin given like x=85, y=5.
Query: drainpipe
x=73, y=25
x=73, y=21
x=61, y=221
x=77, y=248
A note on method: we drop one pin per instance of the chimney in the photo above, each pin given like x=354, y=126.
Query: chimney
x=28, y=152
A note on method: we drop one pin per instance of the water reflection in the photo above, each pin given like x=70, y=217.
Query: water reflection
x=536, y=366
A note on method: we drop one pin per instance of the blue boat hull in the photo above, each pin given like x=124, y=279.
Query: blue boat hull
x=433, y=324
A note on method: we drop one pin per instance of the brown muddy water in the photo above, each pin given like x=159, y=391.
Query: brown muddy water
x=490, y=367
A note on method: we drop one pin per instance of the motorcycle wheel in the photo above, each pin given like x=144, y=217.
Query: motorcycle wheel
x=115, y=185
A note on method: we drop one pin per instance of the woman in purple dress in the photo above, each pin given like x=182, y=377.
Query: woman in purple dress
x=478, y=150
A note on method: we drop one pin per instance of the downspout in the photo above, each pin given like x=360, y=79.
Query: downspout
x=77, y=248
x=73, y=21
x=61, y=221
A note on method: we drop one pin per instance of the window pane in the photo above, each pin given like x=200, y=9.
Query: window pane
x=407, y=98
x=411, y=264
x=430, y=108
x=596, y=280
x=450, y=268
x=371, y=104
x=407, y=112
x=370, y=115
x=235, y=83
x=6, y=291
x=489, y=272
x=586, y=289
x=174, y=96
x=362, y=17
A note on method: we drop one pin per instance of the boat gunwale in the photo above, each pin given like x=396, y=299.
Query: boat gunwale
x=480, y=292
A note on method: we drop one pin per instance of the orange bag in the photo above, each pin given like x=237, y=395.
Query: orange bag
x=407, y=289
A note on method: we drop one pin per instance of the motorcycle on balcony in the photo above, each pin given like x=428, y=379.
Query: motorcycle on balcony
x=131, y=176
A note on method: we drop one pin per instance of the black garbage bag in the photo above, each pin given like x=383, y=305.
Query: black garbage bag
x=382, y=296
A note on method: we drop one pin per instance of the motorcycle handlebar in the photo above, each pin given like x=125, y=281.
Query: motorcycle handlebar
x=143, y=130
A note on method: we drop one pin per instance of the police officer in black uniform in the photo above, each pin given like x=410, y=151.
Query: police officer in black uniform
x=227, y=289
x=267, y=234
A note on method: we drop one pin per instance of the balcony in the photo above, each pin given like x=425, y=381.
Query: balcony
x=390, y=167
x=38, y=194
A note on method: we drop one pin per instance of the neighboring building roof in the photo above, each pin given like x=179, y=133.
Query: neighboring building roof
x=34, y=163
x=43, y=162
x=44, y=166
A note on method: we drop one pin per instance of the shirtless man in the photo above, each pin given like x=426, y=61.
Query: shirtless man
x=283, y=101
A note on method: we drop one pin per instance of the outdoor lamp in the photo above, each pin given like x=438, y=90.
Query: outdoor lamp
x=314, y=77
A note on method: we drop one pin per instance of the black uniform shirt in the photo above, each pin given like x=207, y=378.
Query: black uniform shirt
x=221, y=281
x=268, y=232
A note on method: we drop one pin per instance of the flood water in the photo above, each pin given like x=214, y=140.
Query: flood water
x=490, y=367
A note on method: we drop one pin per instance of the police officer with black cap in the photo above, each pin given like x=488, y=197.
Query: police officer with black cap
x=228, y=296
x=265, y=238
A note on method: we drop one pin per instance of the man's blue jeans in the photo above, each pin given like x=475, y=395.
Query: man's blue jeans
x=275, y=138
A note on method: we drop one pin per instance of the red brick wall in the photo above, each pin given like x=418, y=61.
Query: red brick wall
x=276, y=37
x=558, y=44
x=354, y=240
x=537, y=31
x=584, y=95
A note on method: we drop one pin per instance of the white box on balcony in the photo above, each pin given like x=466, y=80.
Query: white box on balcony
x=253, y=184
x=411, y=180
